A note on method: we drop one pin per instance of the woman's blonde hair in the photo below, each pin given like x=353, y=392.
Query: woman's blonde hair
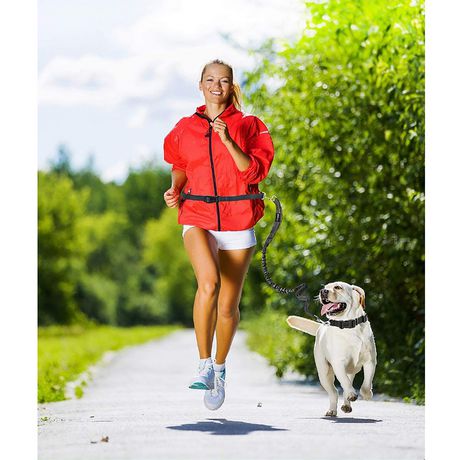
x=236, y=93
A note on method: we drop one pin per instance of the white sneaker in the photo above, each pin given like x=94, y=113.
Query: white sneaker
x=214, y=398
x=204, y=380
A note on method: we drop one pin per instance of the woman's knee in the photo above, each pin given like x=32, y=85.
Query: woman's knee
x=209, y=288
x=228, y=310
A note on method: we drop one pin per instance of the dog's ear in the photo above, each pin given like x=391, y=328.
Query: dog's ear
x=362, y=295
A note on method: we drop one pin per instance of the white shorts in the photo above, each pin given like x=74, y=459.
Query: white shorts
x=240, y=239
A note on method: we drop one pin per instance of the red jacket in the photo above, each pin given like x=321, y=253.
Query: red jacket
x=192, y=146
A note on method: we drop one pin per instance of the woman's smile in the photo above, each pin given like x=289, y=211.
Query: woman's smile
x=216, y=83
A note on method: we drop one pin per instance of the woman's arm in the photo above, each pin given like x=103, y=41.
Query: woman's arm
x=178, y=179
x=254, y=165
x=241, y=160
x=172, y=195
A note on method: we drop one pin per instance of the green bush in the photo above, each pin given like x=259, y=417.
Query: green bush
x=345, y=106
x=143, y=190
x=267, y=331
x=90, y=246
x=62, y=248
x=164, y=254
x=97, y=297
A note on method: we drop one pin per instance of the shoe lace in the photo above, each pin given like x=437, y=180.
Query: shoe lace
x=205, y=371
x=220, y=380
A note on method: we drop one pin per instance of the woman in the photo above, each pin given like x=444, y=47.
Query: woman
x=218, y=157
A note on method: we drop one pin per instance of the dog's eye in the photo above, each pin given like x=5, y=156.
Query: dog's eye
x=337, y=287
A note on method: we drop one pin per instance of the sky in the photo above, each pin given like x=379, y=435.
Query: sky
x=114, y=76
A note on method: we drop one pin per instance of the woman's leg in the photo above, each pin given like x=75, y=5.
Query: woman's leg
x=234, y=265
x=202, y=251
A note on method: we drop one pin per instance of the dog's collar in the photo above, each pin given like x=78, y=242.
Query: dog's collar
x=349, y=323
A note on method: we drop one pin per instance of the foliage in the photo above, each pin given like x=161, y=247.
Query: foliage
x=112, y=284
x=62, y=248
x=142, y=189
x=295, y=353
x=345, y=106
x=103, y=197
x=175, y=283
x=97, y=297
x=62, y=164
x=65, y=352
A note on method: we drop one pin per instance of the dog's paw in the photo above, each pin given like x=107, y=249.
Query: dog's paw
x=331, y=413
x=352, y=396
x=366, y=393
x=346, y=409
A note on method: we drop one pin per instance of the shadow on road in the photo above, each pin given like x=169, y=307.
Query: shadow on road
x=351, y=420
x=222, y=426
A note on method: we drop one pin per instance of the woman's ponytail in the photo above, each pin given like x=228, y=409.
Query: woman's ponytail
x=236, y=96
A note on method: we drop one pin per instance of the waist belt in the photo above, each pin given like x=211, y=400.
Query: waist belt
x=216, y=199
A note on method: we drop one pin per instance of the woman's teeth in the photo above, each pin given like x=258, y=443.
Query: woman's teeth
x=217, y=93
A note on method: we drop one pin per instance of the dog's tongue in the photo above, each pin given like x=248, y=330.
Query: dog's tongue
x=327, y=307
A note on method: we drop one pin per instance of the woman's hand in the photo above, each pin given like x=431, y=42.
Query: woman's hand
x=221, y=129
x=171, y=197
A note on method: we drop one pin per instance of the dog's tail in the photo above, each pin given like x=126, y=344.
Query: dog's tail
x=303, y=324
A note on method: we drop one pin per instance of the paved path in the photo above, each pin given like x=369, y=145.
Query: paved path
x=141, y=402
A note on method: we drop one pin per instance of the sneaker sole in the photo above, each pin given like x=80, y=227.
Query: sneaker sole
x=199, y=386
x=213, y=407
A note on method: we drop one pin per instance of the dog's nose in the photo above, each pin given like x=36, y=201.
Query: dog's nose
x=323, y=293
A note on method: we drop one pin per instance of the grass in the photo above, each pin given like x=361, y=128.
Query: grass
x=64, y=352
x=284, y=348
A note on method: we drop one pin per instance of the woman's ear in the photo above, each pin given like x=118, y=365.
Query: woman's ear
x=362, y=295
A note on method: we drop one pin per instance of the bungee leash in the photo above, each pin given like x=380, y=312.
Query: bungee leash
x=300, y=291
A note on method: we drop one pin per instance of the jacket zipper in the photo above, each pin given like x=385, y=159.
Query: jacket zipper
x=213, y=175
x=209, y=135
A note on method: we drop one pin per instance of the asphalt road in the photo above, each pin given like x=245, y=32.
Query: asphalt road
x=138, y=407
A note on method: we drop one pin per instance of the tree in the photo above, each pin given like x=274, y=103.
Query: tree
x=108, y=265
x=62, y=248
x=143, y=191
x=345, y=105
x=90, y=244
x=163, y=252
x=62, y=165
